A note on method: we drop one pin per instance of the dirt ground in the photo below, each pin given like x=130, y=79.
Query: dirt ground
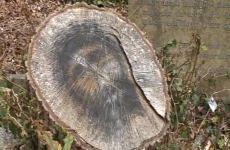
x=18, y=22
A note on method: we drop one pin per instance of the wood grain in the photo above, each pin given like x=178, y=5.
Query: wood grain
x=98, y=76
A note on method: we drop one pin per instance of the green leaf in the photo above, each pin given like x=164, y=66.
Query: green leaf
x=4, y=111
x=99, y=3
x=227, y=109
x=14, y=129
x=185, y=102
x=174, y=119
x=50, y=143
x=165, y=61
x=215, y=119
x=179, y=89
x=171, y=68
x=164, y=48
x=9, y=84
x=68, y=142
x=182, y=109
x=213, y=138
x=184, y=134
x=177, y=84
x=24, y=58
x=194, y=90
x=174, y=146
x=195, y=99
x=172, y=42
x=4, y=89
x=111, y=3
x=203, y=47
x=207, y=99
x=221, y=143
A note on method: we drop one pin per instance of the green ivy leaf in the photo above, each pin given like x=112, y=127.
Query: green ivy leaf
x=179, y=89
x=203, y=47
x=184, y=133
x=68, y=142
x=14, y=129
x=227, y=109
x=195, y=99
x=194, y=90
x=99, y=3
x=164, y=48
x=111, y=3
x=181, y=109
x=172, y=42
x=50, y=143
x=221, y=143
x=4, y=111
x=215, y=119
x=185, y=102
x=213, y=138
x=9, y=84
x=177, y=84
x=4, y=89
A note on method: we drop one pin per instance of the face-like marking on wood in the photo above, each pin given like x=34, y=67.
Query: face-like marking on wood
x=99, y=77
x=94, y=77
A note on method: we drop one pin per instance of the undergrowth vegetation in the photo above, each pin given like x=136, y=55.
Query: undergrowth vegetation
x=22, y=114
x=196, y=122
x=100, y=3
x=193, y=124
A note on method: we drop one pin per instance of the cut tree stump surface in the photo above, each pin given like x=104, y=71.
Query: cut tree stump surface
x=98, y=76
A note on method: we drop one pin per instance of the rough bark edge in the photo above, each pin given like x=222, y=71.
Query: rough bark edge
x=83, y=144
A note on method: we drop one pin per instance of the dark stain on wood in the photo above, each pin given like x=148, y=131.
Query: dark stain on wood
x=89, y=77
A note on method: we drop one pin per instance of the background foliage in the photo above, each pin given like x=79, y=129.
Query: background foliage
x=194, y=124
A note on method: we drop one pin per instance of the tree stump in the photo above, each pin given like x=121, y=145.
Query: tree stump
x=98, y=76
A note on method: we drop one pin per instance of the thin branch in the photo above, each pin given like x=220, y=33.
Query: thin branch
x=5, y=78
x=175, y=109
x=203, y=120
x=206, y=73
x=134, y=11
x=219, y=91
x=222, y=75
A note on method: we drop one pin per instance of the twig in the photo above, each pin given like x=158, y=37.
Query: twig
x=16, y=122
x=222, y=75
x=194, y=57
x=134, y=11
x=203, y=120
x=183, y=64
x=13, y=83
x=205, y=74
x=3, y=55
x=219, y=91
x=23, y=34
x=175, y=109
x=20, y=107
